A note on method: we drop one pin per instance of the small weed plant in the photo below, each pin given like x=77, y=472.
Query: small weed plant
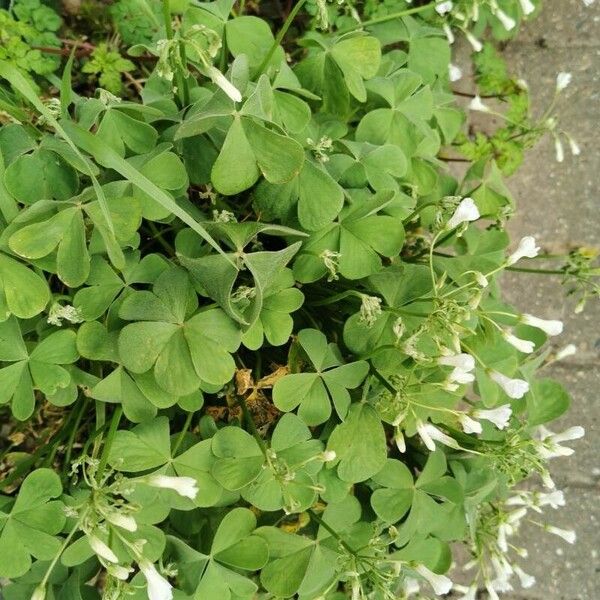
x=253, y=343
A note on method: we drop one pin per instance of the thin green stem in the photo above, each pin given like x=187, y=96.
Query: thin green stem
x=417, y=210
x=332, y=531
x=280, y=35
x=181, y=436
x=540, y=271
x=114, y=424
x=393, y=16
x=73, y=433
x=386, y=384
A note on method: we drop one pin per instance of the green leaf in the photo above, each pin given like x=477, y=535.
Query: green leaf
x=315, y=392
x=23, y=293
x=359, y=443
x=547, y=400
x=29, y=529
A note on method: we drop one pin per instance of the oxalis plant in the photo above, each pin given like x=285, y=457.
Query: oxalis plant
x=252, y=337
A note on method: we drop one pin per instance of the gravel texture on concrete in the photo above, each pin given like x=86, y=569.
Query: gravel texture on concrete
x=559, y=204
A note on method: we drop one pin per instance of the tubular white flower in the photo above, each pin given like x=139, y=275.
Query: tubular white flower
x=468, y=593
x=559, y=149
x=126, y=522
x=184, y=486
x=462, y=361
x=491, y=591
x=526, y=248
x=525, y=346
x=101, y=549
x=566, y=534
x=461, y=376
x=454, y=73
x=158, y=587
x=572, y=433
x=500, y=416
x=469, y=425
x=399, y=440
x=220, y=80
x=574, y=147
x=481, y=279
x=526, y=580
x=568, y=350
x=119, y=572
x=466, y=211
x=507, y=21
x=475, y=43
x=477, y=105
x=430, y=434
x=514, y=388
x=548, y=326
x=527, y=6
x=563, y=80
x=440, y=583
x=503, y=531
x=554, y=499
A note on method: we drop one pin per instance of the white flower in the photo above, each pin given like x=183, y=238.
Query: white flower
x=465, y=211
x=507, y=21
x=454, y=73
x=477, y=104
x=400, y=441
x=568, y=350
x=219, y=79
x=101, y=549
x=469, y=425
x=527, y=6
x=503, y=531
x=491, y=591
x=475, y=43
x=526, y=248
x=589, y=2
x=462, y=361
x=566, y=534
x=574, y=146
x=514, y=388
x=500, y=416
x=549, y=327
x=440, y=583
x=126, y=522
x=119, y=572
x=525, y=346
x=370, y=309
x=526, y=580
x=429, y=433
x=158, y=587
x=461, y=376
x=572, y=433
x=444, y=7
x=184, y=486
x=559, y=149
x=468, y=593
x=554, y=499
x=448, y=32
x=563, y=80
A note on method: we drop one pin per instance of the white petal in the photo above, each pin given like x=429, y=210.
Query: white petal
x=566, y=534
x=462, y=361
x=184, y=486
x=101, y=549
x=514, y=388
x=440, y=583
x=469, y=425
x=466, y=211
x=549, y=327
x=500, y=416
x=507, y=21
x=454, y=72
x=525, y=346
x=158, y=587
x=475, y=43
x=226, y=85
x=477, y=105
x=527, y=6
x=563, y=80
x=572, y=433
x=526, y=248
